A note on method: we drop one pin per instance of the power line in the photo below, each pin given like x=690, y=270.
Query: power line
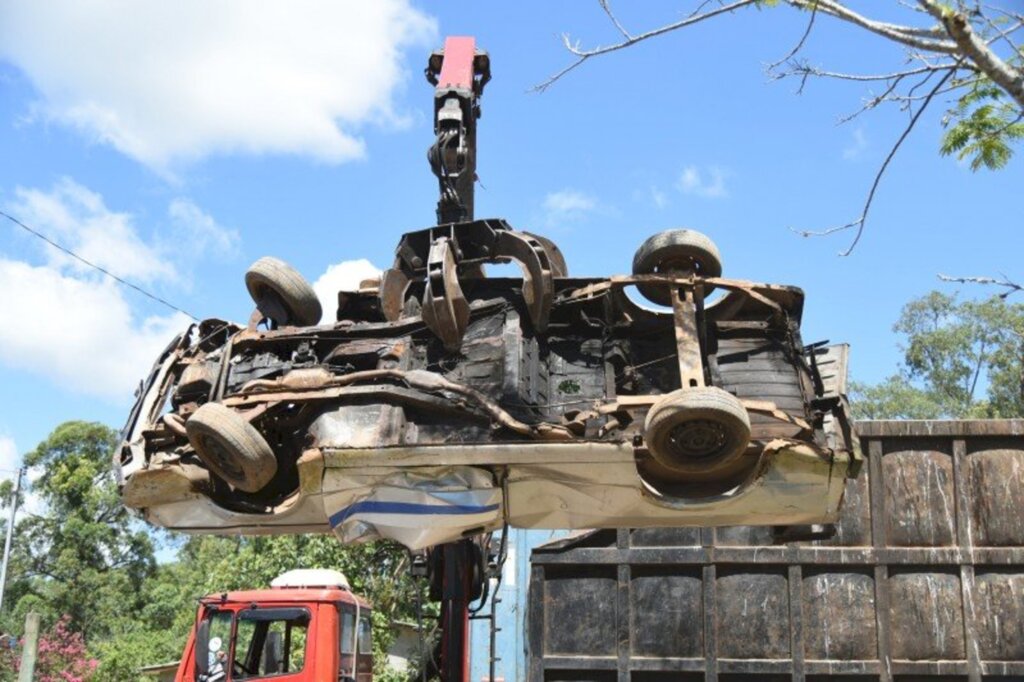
x=97, y=267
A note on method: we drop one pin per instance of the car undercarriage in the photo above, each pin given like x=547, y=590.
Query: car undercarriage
x=693, y=408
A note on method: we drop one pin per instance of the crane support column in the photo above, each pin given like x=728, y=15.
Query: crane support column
x=458, y=73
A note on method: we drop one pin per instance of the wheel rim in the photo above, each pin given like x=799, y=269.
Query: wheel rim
x=221, y=456
x=681, y=264
x=698, y=439
x=271, y=305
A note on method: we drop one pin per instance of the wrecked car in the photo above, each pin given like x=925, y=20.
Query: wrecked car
x=442, y=402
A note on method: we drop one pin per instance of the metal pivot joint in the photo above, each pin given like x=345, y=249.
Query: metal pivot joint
x=441, y=255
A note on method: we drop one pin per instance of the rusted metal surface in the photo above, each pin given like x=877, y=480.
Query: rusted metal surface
x=445, y=311
x=691, y=366
x=438, y=358
x=923, y=580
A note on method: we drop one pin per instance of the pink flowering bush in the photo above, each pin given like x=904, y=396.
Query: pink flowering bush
x=62, y=656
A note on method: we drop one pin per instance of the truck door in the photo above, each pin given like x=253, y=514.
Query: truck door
x=364, y=653
x=356, y=660
x=347, y=664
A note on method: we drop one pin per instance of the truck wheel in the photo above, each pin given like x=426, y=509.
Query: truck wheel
x=231, y=447
x=682, y=251
x=696, y=430
x=282, y=294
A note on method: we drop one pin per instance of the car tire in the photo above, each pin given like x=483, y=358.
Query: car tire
x=675, y=251
x=697, y=430
x=231, y=447
x=282, y=294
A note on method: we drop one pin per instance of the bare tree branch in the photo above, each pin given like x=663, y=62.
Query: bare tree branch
x=805, y=71
x=1000, y=10
x=920, y=38
x=977, y=50
x=608, y=10
x=859, y=222
x=800, y=43
x=905, y=100
x=879, y=99
x=950, y=45
x=799, y=68
x=584, y=55
x=1003, y=34
x=1011, y=287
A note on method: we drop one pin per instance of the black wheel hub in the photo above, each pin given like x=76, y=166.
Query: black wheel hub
x=218, y=453
x=271, y=305
x=698, y=439
x=680, y=266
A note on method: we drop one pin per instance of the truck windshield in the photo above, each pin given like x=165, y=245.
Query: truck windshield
x=270, y=641
x=217, y=644
x=267, y=642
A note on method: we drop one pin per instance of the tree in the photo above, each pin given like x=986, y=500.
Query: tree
x=962, y=359
x=156, y=631
x=61, y=657
x=965, y=49
x=84, y=557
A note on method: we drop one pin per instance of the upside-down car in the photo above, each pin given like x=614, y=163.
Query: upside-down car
x=441, y=402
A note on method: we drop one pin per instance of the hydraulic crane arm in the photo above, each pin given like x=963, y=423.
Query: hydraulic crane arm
x=458, y=73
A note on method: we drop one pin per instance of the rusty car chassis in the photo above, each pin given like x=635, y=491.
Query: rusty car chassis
x=569, y=403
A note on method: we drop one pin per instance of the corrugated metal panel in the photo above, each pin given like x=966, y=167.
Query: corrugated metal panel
x=924, y=580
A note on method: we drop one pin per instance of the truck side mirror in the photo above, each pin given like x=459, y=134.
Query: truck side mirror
x=202, y=647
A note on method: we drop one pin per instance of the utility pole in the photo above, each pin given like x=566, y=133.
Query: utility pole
x=10, y=534
x=29, y=648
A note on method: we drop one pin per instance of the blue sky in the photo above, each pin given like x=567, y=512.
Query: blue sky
x=176, y=146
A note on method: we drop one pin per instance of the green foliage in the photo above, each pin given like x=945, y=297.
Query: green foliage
x=894, y=398
x=85, y=558
x=122, y=656
x=6, y=490
x=962, y=359
x=984, y=126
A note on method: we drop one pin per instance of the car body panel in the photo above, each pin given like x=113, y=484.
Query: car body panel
x=525, y=396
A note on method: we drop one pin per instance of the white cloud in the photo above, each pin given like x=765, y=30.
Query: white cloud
x=653, y=196
x=569, y=201
x=10, y=460
x=76, y=326
x=166, y=83
x=568, y=206
x=343, y=276
x=856, y=146
x=78, y=219
x=199, y=230
x=80, y=332
x=710, y=185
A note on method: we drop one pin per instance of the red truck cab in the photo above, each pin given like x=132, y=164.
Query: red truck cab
x=308, y=626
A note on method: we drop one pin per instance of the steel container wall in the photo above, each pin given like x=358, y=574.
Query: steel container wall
x=924, y=580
